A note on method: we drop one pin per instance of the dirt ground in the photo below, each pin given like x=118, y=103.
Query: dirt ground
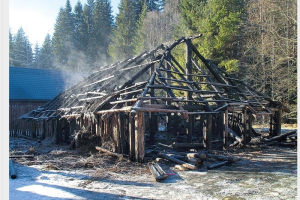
x=263, y=172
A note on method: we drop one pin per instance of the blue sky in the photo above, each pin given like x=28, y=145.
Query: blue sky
x=37, y=17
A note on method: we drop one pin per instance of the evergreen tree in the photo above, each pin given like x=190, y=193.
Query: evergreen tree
x=220, y=22
x=45, y=59
x=81, y=29
x=139, y=40
x=102, y=23
x=122, y=44
x=63, y=37
x=88, y=20
x=21, y=50
x=193, y=13
x=155, y=5
x=36, y=56
x=11, y=49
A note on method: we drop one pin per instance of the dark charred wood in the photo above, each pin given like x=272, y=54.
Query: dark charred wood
x=22, y=156
x=280, y=137
x=185, y=164
x=225, y=158
x=158, y=173
x=217, y=165
x=177, y=145
x=108, y=152
x=12, y=171
x=233, y=135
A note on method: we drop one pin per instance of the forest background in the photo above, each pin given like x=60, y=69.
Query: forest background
x=253, y=40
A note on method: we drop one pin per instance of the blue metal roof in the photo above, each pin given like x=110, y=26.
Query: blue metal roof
x=39, y=84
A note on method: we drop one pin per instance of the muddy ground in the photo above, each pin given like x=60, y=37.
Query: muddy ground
x=55, y=172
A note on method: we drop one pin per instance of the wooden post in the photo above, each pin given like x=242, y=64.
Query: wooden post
x=115, y=131
x=189, y=95
x=209, y=131
x=190, y=127
x=58, y=131
x=131, y=137
x=152, y=117
x=139, y=137
x=244, y=124
x=175, y=123
x=44, y=130
x=220, y=125
x=168, y=102
x=122, y=125
x=101, y=129
x=277, y=121
x=225, y=132
x=271, y=124
x=250, y=123
x=107, y=127
x=169, y=129
x=33, y=129
x=67, y=130
x=152, y=126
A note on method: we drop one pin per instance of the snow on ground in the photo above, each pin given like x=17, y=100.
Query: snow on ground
x=59, y=173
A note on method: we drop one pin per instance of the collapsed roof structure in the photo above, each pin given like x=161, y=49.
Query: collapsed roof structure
x=123, y=101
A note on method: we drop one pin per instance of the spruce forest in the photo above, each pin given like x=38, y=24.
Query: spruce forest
x=253, y=40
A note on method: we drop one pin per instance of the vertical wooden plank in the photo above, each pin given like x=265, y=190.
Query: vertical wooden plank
x=152, y=117
x=207, y=131
x=175, y=123
x=139, y=137
x=131, y=137
x=244, y=125
x=115, y=131
x=122, y=125
x=250, y=123
x=152, y=127
x=189, y=62
x=189, y=95
x=278, y=122
x=169, y=129
x=106, y=127
x=219, y=126
x=33, y=129
x=67, y=130
x=190, y=128
x=43, y=130
x=271, y=131
x=225, y=133
x=168, y=117
x=58, y=131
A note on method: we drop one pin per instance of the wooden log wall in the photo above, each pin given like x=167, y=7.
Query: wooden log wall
x=241, y=123
x=17, y=109
x=275, y=123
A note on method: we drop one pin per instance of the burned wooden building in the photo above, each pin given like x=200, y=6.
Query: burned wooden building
x=124, y=103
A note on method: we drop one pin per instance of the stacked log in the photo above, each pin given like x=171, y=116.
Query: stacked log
x=158, y=173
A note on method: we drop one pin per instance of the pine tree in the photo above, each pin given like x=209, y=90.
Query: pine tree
x=45, y=59
x=22, y=51
x=122, y=44
x=11, y=49
x=157, y=5
x=88, y=20
x=81, y=29
x=63, y=37
x=139, y=40
x=220, y=22
x=102, y=23
x=36, y=56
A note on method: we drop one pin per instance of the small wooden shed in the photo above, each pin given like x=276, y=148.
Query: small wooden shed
x=30, y=88
x=124, y=102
